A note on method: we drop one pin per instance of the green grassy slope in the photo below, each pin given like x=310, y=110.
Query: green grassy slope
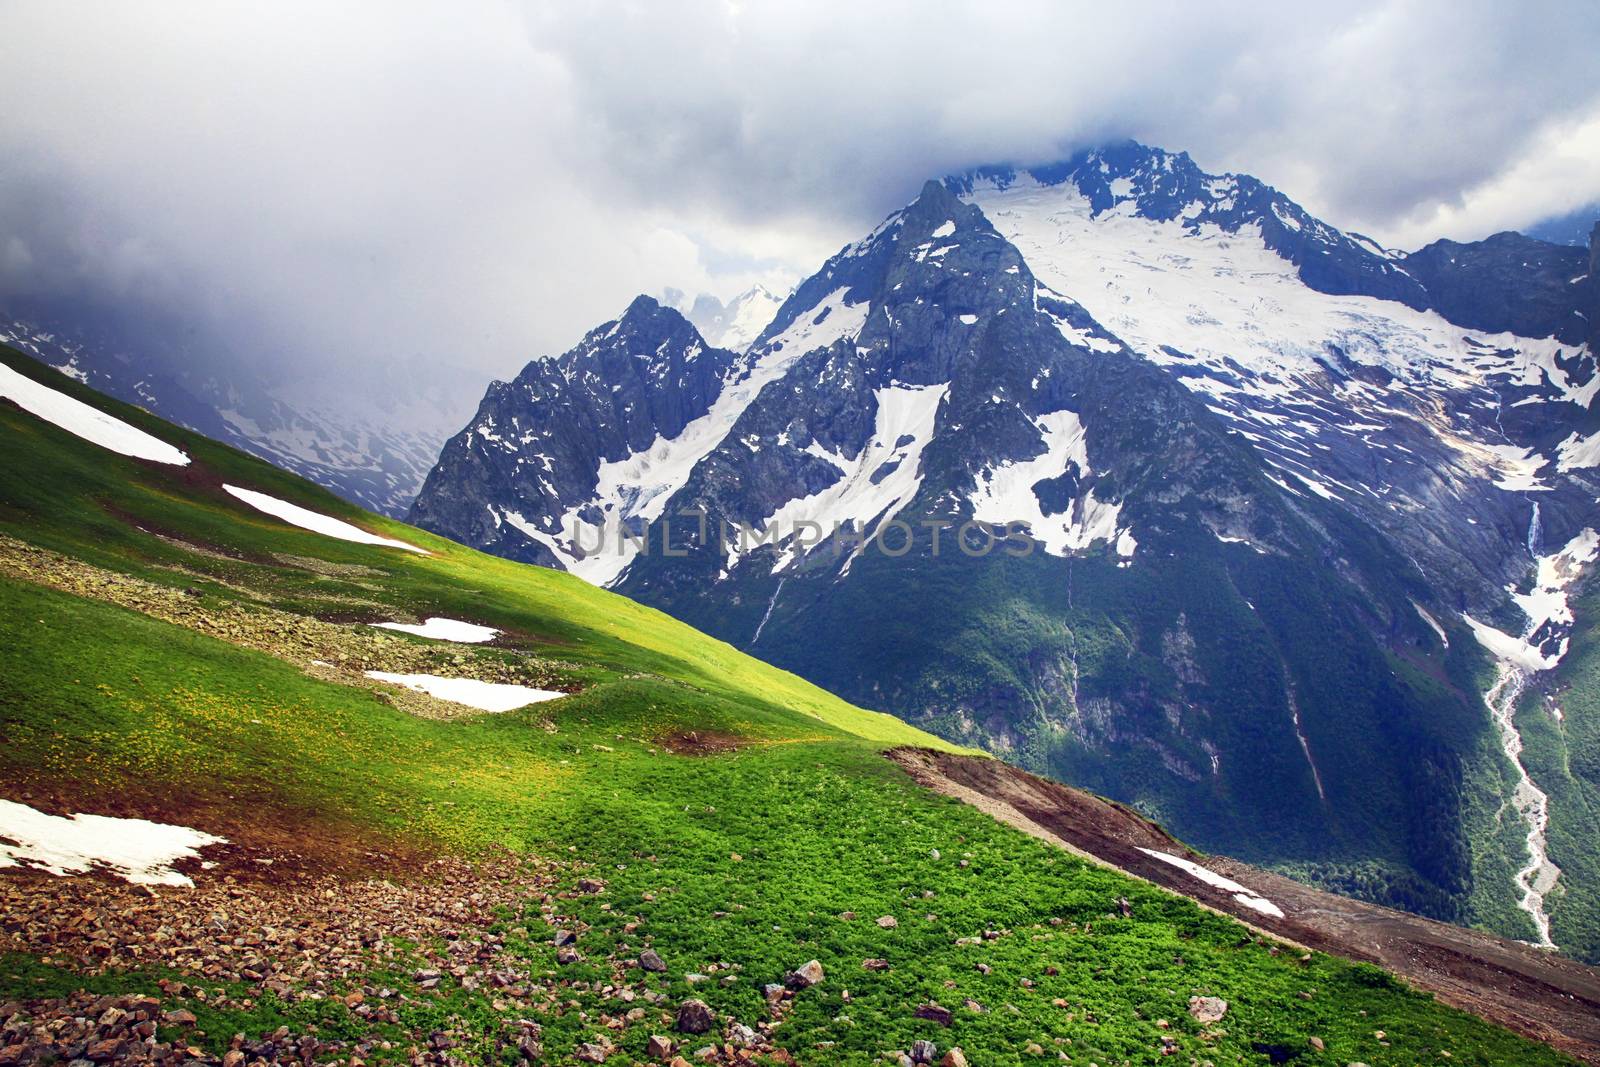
x=64, y=494
x=742, y=863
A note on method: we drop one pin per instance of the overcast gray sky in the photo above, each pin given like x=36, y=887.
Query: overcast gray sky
x=386, y=189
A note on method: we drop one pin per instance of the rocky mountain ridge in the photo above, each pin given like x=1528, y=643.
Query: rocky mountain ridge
x=1141, y=476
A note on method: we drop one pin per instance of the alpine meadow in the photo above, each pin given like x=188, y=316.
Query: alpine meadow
x=744, y=533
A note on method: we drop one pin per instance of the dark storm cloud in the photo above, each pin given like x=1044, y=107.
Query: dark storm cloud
x=1374, y=112
x=393, y=193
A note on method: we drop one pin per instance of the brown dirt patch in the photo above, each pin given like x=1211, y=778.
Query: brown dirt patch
x=1538, y=994
x=268, y=841
x=702, y=743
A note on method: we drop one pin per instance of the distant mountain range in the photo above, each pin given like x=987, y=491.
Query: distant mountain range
x=1146, y=478
x=734, y=325
x=371, y=447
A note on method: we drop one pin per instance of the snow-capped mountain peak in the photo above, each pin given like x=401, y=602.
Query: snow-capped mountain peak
x=1372, y=396
x=733, y=325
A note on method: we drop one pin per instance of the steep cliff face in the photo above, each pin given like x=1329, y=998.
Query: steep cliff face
x=1506, y=283
x=550, y=450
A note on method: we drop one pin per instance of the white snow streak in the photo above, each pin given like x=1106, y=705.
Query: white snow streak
x=315, y=521
x=1433, y=623
x=762, y=625
x=904, y=411
x=1241, y=893
x=638, y=486
x=89, y=423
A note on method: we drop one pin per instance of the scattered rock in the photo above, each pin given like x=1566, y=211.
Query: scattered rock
x=875, y=964
x=694, y=1017
x=954, y=1058
x=935, y=1012
x=1208, y=1009
x=650, y=961
x=888, y=922
x=805, y=976
x=923, y=1051
x=658, y=1047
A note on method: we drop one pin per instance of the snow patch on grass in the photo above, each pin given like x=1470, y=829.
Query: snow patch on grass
x=440, y=629
x=89, y=423
x=485, y=696
x=315, y=521
x=136, y=850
